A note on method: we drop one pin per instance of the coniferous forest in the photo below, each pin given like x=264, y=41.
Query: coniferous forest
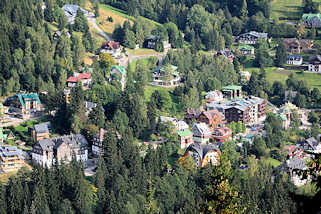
x=128, y=180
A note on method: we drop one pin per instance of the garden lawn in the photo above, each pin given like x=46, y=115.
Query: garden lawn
x=150, y=89
x=273, y=162
x=141, y=51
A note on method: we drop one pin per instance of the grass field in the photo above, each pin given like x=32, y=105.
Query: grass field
x=273, y=162
x=150, y=89
x=273, y=74
x=141, y=51
x=287, y=10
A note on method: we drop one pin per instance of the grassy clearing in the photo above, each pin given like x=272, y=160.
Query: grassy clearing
x=273, y=162
x=272, y=74
x=287, y=10
x=150, y=89
x=141, y=51
x=119, y=17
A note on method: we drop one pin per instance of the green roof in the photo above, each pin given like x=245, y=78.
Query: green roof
x=120, y=68
x=22, y=97
x=184, y=133
x=282, y=116
x=309, y=16
x=1, y=134
x=232, y=87
x=246, y=47
x=173, y=68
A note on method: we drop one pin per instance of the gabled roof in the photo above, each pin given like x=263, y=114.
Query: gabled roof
x=310, y=16
x=111, y=45
x=211, y=113
x=9, y=151
x=294, y=57
x=79, y=77
x=74, y=141
x=246, y=47
x=43, y=127
x=312, y=142
x=202, y=128
x=315, y=58
x=203, y=149
x=24, y=97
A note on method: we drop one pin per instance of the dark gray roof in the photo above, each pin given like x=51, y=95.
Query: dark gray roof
x=294, y=57
x=312, y=142
x=43, y=127
x=202, y=149
x=74, y=141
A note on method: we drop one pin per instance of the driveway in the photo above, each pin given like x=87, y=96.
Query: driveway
x=92, y=21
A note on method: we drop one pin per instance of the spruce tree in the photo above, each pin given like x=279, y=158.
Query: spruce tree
x=280, y=55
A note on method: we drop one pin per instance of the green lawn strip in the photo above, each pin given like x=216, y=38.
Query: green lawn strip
x=123, y=14
x=273, y=162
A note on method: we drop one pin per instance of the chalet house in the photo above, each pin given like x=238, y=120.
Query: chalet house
x=41, y=131
x=311, y=145
x=71, y=12
x=295, y=151
x=312, y=20
x=203, y=154
x=212, y=118
x=245, y=75
x=232, y=91
x=151, y=41
x=97, y=146
x=11, y=159
x=227, y=54
x=84, y=79
x=294, y=60
x=296, y=46
x=246, y=49
x=251, y=37
x=179, y=125
x=113, y=48
x=63, y=148
x=292, y=166
x=221, y=134
x=285, y=112
x=59, y=33
x=213, y=96
x=249, y=111
x=315, y=64
x=191, y=115
x=166, y=76
x=201, y=133
x=25, y=105
x=185, y=138
x=118, y=72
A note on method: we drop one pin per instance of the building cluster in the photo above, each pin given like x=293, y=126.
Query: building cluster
x=166, y=76
x=298, y=156
x=70, y=11
x=48, y=151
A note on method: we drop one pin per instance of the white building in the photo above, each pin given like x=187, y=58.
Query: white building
x=294, y=60
x=62, y=148
x=315, y=64
x=213, y=96
x=179, y=125
x=201, y=133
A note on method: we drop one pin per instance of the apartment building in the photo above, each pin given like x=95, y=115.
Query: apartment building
x=11, y=158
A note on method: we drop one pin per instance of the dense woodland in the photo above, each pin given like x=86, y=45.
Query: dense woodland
x=127, y=179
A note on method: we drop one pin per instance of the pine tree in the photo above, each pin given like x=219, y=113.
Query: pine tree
x=243, y=11
x=280, y=55
x=150, y=206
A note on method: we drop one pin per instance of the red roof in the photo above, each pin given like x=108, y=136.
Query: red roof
x=111, y=45
x=79, y=77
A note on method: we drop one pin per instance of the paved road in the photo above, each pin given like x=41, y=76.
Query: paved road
x=92, y=21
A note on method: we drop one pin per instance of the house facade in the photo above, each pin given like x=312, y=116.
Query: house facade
x=315, y=64
x=201, y=133
x=312, y=20
x=41, y=131
x=97, y=146
x=296, y=46
x=212, y=118
x=11, y=159
x=166, y=76
x=203, y=154
x=294, y=60
x=191, y=115
x=221, y=134
x=232, y=91
x=25, y=105
x=70, y=11
x=185, y=138
x=246, y=50
x=47, y=151
x=251, y=37
x=227, y=54
x=311, y=145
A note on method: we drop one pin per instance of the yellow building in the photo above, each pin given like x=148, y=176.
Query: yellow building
x=11, y=159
